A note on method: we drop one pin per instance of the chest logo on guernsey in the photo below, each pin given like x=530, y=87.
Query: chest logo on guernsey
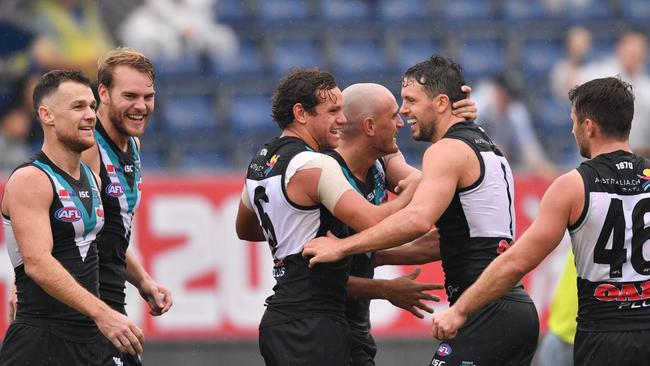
x=115, y=190
x=68, y=214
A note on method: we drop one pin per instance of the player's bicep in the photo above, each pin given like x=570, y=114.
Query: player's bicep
x=246, y=225
x=30, y=197
x=353, y=210
x=397, y=169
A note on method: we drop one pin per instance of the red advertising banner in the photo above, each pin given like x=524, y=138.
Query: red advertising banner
x=185, y=235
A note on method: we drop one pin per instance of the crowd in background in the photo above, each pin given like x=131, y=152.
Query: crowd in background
x=217, y=62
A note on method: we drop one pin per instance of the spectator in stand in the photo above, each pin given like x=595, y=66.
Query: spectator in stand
x=565, y=73
x=14, y=128
x=629, y=61
x=507, y=121
x=170, y=28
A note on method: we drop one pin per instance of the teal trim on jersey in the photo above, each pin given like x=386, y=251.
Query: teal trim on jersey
x=379, y=193
x=130, y=192
x=351, y=180
x=89, y=218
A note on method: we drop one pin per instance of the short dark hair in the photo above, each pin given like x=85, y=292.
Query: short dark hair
x=123, y=57
x=304, y=86
x=438, y=75
x=609, y=102
x=50, y=81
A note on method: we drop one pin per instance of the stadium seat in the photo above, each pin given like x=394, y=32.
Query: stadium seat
x=467, y=10
x=636, y=12
x=413, y=50
x=231, y=11
x=288, y=53
x=359, y=55
x=188, y=113
x=283, y=12
x=589, y=11
x=520, y=11
x=405, y=10
x=207, y=156
x=186, y=65
x=344, y=10
x=539, y=55
x=482, y=57
x=251, y=114
x=249, y=61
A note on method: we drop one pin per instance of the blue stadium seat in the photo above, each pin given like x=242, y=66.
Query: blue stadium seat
x=589, y=10
x=518, y=11
x=600, y=49
x=464, y=10
x=251, y=114
x=186, y=65
x=190, y=113
x=231, y=11
x=482, y=57
x=413, y=50
x=553, y=124
x=281, y=12
x=204, y=156
x=539, y=55
x=288, y=53
x=359, y=55
x=636, y=12
x=344, y=10
x=249, y=61
x=404, y=10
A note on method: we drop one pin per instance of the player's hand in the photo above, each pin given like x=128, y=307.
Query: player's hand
x=13, y=303
x=406, y=293
x=323, y=249
x=121, y=331
x=446, y=323
x=410, y=182
x=157, y=296
x=465, y=108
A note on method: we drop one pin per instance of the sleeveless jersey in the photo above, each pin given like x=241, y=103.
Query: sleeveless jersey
x=479, y=223
x=609, y=244
x=299, y=291
x=76, y=217
x=121, y=181
x=374, y=190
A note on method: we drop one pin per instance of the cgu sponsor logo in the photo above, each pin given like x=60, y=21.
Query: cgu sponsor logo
x=628, y=294
x=68, y=214
x=504, y=245
x=115, y=190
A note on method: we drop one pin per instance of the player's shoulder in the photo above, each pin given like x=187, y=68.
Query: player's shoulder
x=29, y=181
x=449, y=149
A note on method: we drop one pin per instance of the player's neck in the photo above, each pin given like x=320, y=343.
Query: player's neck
x=67, y=160
x=445, y=124
x=295, y=131
x=357, y=157
x=609, y=146
x=119, y=139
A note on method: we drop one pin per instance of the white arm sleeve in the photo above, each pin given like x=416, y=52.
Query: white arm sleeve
x=332, y=183
x=245, y=199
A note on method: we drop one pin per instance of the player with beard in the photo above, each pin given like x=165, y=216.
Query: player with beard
x=293, y=193
x=52, y=212
x=126, y=93
x=467, y=192
x=604, y=203
x=371, y=161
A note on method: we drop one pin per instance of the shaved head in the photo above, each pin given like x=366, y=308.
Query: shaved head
x=362, y=101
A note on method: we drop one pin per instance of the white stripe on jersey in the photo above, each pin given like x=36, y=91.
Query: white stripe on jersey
x=12, y=245
x=489, y=207
x=127, y=217
x=584, y=239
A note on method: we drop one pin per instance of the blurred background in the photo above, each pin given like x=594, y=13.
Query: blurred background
x=217, y=63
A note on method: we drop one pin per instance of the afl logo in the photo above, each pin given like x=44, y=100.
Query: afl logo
x=115, y=190
x=444, y=350
x=68, y=214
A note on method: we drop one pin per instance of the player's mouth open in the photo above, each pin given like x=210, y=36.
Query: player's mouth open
x=135, y=117
x=412, y=121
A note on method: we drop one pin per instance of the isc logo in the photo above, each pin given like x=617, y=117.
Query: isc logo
x=115, y=190
x=68, y=214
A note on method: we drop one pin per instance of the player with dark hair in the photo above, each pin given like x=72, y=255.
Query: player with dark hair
x=292, y=194
x=604, y=204
x=467, y=192
x=52, y=212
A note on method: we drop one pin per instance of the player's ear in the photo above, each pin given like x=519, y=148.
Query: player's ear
x=369, y=126
x=299, y=113
x=45, y=115
x=103, y=92
x=442, y=102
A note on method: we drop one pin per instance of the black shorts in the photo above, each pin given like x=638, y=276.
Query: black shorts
x=362, y=348
x=29, y=345
x=126, y=358
x=503, y=333
x=306, y=341
x=621, y=348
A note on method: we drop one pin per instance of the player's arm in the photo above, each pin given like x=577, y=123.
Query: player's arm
x=424, y=249
x=157, y=296
x=246, y=225
x=28, y=198
x=322, y=181
x=557, y=210
x=397, y=169
x=440, y=178
x=403, y=292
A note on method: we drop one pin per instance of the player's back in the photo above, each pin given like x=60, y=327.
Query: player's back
x=299, y=291
x=608, y=243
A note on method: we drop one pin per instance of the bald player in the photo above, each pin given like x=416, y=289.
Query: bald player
x=371, y=161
